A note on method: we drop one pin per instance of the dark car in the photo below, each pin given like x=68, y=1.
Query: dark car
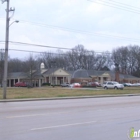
x=127, y=84
x=65, y=85
x=20, y=84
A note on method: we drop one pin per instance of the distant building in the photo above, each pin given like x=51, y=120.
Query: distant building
x=54, y=76
x=58, y=76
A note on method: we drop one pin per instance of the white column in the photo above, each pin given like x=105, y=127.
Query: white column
x=9, y=82
x=18, y=80
x=50, y=79
x=56, y=80
x=14, y=81
x=101, y=80
x=63, y=80
x=69, y=79
x=39, y=82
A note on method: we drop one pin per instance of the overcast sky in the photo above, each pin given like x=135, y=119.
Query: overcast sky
x=67, y=23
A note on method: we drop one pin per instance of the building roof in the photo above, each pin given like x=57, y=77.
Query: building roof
x=80, y=73
x=50, y=71
x=71, y=72
x=43, y=71
x=17, y=75
x=96, y=72
x=123, y=76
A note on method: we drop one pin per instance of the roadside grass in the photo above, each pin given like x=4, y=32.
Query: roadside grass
x=48, y=92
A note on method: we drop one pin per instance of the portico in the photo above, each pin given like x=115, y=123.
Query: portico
x=57, y=76
x=101, y=77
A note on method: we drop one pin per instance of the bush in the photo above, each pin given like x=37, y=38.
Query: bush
x=46, y=84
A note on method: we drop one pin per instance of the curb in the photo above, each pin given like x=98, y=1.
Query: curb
x=64, y=98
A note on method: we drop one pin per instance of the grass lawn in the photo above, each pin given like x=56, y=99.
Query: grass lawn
x=46, y=92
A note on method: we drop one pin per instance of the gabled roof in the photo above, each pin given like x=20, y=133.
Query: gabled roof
x=96, y=72
x=52, y=71
x=43, y=71
x=81, y=73
x=123, y=76
x=17, y=75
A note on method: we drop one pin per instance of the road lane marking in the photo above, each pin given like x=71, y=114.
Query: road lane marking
x=22, y=116
x=65, y=125
x=53, y=113
x=34, y=115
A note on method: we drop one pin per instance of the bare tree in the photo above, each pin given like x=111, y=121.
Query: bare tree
x=120, y=56
x=30, y=67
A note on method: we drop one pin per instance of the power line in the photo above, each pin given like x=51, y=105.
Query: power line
x=116, y=6
x=120, y=4
x=130, y=6
x=50, y=52
x=35, y=52
x=38, y=45
x=49, y=46
x=81, y=31
x=30, y=51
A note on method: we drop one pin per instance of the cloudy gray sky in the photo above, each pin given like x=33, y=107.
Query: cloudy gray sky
x=99, y=25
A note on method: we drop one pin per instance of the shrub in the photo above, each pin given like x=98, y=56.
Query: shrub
x=46, y=84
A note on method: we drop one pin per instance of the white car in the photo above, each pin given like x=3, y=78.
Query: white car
x=112, y=85
x=75, y=85
x=65, y=85
x=136, y=84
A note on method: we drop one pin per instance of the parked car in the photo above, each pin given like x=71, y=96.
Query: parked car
x=75, y=85
x=127, y=84
x=65, y=85
x=112, y=85
x=94, y=84
x=136, y=84
x=20, y=84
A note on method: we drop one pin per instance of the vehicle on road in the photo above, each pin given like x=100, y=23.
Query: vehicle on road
x=20, y=84
x=65, y=85
x=112, y=85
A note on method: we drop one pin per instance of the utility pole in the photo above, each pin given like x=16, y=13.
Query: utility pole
x=1, y=66
x=6, y=50
x=6, y=46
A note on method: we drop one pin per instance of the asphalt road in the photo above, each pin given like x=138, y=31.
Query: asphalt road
x=71, y=119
